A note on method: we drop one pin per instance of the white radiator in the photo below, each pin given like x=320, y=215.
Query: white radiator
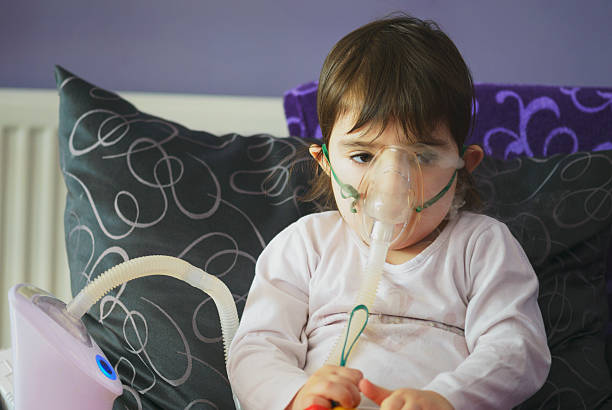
x=32, y=198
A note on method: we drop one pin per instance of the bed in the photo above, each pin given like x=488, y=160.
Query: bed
x=138, y=184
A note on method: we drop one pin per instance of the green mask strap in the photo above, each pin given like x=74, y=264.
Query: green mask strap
x=346, y=352
x=346, y=190
x=438, y=196
x=444, y=190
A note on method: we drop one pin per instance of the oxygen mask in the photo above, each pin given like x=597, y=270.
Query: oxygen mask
x=390, y=196
x=389, y=200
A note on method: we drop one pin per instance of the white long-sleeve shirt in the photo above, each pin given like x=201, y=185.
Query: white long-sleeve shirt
x=461, y=318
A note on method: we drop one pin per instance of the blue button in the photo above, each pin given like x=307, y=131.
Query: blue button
x=106, y=367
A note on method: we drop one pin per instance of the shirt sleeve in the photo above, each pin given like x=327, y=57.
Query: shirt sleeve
x=268, y=353
x=509, y=357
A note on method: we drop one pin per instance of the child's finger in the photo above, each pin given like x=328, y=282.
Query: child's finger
x=375, y=393
x=319, y=407
x=337, y=389
x=316, y=407
x=318, y=403
x=353, y=375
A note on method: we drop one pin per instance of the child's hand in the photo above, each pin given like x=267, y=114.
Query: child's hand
x=403, y=399
x=329, y=383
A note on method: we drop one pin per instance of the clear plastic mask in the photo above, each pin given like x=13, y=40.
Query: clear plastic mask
x=392, y=188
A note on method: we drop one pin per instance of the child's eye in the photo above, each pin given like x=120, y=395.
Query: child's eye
x=427, y=157
x=362, y=158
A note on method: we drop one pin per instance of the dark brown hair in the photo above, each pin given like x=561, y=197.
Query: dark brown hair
x=402, y=69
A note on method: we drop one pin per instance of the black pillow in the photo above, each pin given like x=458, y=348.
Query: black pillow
x=560, y=210
x=140, y=185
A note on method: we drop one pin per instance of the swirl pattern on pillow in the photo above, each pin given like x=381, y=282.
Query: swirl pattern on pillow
x=511, y=120
x=560, y=210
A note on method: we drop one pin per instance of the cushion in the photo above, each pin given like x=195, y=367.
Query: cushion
x=539, y=121
x=560, y=210
x=511, y=120
x=140, y=185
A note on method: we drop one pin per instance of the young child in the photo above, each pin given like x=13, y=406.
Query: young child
x=456, y=322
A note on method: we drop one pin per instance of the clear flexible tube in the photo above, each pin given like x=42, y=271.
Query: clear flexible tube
x=161, y=265
x=380, y=240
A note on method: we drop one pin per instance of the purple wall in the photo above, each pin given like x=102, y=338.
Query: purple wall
x=266, y=47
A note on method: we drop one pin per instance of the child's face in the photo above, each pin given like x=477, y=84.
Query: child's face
x=350, y=154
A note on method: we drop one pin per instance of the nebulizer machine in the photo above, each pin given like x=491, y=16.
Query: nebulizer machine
x=56, y=363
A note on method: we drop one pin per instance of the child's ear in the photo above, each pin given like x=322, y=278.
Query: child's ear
x=317, y=153
x=472, y=157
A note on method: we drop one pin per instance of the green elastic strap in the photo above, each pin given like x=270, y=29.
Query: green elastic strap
x=445, y=189
x=343, y=357
x=438, y=196
x=346, y=190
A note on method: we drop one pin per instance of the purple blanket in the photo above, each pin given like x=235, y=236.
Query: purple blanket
x=512, y=120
